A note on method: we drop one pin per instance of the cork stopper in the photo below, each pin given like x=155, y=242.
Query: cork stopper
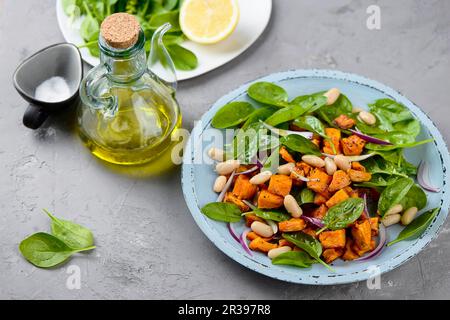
x=120, y=30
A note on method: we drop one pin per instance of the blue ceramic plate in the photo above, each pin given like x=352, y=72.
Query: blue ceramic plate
x=197, y=180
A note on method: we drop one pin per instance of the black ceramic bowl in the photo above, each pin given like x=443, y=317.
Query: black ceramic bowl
x=63, y=60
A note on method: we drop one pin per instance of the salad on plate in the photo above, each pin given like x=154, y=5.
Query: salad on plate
x=315, y=179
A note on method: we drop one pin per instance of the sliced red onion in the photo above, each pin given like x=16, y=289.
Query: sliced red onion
x=351, y=158
x=226, y=187
x=381, y=244
x=248, y=203
x=247, y=171
x=302, y=178
x=233, y=232
x=370, y=138
x=366, y=210
x=243, y=241
x=314, y=221
x=273, y=225
x=423, y=177
x=259, y=163
x=283, y=133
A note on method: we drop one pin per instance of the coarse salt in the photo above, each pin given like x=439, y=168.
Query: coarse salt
x=54, y=89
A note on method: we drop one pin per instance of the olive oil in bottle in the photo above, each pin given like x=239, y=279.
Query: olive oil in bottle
x=127, y=114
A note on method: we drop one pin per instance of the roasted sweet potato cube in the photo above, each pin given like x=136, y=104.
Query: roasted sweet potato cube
x=286, y=155
x=339, y=196
x=319, y=199
x=332, y=239
x=243, y=189
x=268, y=200
x=340, y=180
x=231, y=198
x=332, y=254
x=359, y=176
x=362, y=234
x=310, y=231
x=316, y=139
x=348, y=252
x=374, y=224
x=295, y=173
x=260, y=244
x=280, y=184
x=319, y=212
x=292, y=225
x=353, y=145
x=322, y=180
x=252, y=236
x=306, y=168
x=250, y=218
x=334, y=136
x=344, y=122
x=358, y=166
x=284, y=243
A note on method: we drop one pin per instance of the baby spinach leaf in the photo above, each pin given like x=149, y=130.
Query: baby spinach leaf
x=331, y=112
x=273, y=161
x=416, y=227
x=343, y=214
x=259, y=114
x=372, y=146
x=272, y=215
x=388, y=112
x=45, y=251
x=415, y=197
x=300, y=144
x=159, y=19
x=222, y=211
x=312, y=124
x=89, y=28
x=305, y=196
x=394, y=194
x=309, y=244
x=74, y=235
x=294, y=258
x=232, y=114
x=268, y=93
x=183, y=59
x=285, y=114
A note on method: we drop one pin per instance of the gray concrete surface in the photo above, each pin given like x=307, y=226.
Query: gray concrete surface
x=148, y=244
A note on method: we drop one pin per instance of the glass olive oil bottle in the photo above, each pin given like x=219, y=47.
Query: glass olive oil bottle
x=128, y=113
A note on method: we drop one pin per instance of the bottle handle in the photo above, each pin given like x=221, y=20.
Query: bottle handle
x=159, y=60
x=87, y=90
x=34, y=117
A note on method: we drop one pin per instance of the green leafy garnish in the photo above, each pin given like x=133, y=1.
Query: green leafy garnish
x=232, y=114
x=294, y=258
x=308, y=244
x=45, y=251
x=416, y=227
x=394, y=194
x=268, y=93
x=300, y=144
x=222, y=211
x=343, y=214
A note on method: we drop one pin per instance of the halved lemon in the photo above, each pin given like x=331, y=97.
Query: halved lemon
x=208, y=21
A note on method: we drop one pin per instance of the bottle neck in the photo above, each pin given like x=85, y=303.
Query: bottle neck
x=124, y=65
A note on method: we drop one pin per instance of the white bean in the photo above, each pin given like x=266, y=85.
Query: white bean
x=219, y=183
x=332, y=95
x=342, y=162
x=409, y=215
x=367, y=117
x=292, y=206
x=216, y=154
x=262, y=229
x=273, y=253
x=391, y=219
x=286, y=169
x=227, y=167
x=398, y=208
x=357, y=110
x=314, y=161
x=261, y=177
x=330, y=166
